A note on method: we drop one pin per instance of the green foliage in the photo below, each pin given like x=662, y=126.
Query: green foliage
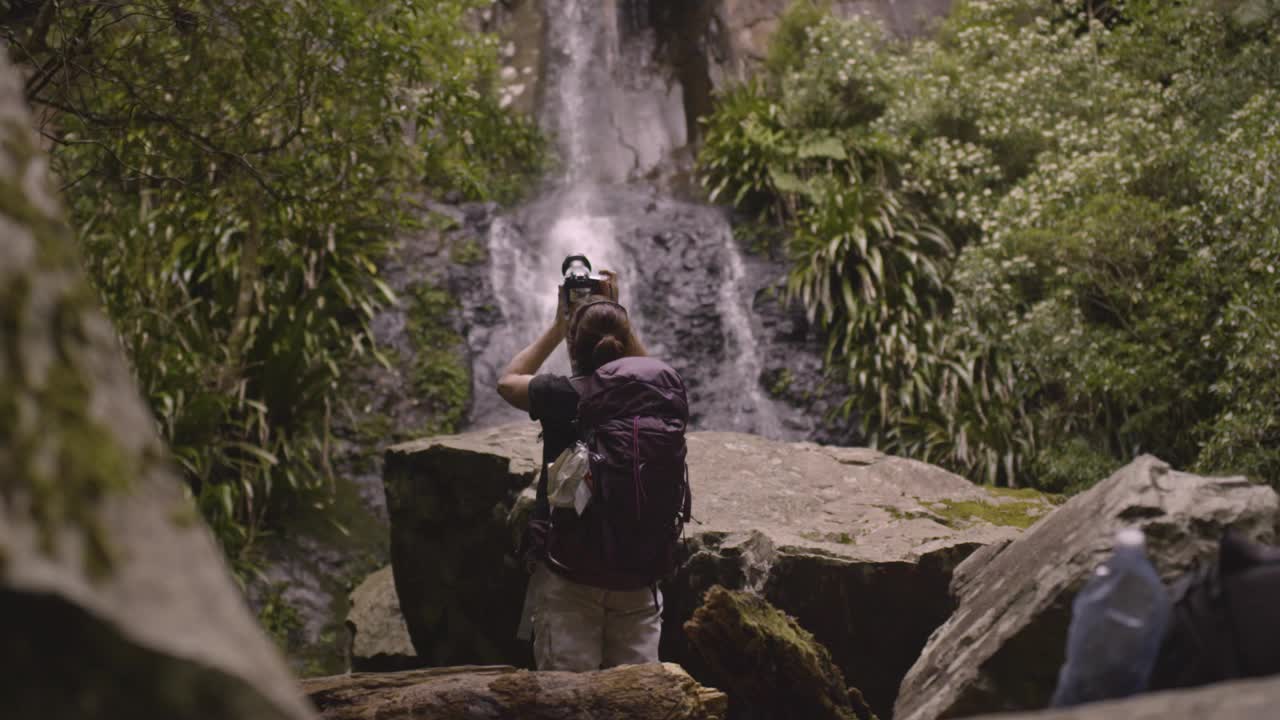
x=474, y=149
x=278, y=618
x=468, y=252
x=1072, y=467
x=868, y=262
x=440, y=378
x=790, y=41
x=1074, y=209
x=780, y=382
x=235, y=170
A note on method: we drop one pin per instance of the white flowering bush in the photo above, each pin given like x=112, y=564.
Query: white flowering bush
x=1084, y=206
x=801, y=148
x=1239, y=233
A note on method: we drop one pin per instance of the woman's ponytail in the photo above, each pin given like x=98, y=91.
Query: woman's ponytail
x=607, y=349
x=600, y=333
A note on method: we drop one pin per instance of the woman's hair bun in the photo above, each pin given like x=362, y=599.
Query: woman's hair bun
x=607, y=349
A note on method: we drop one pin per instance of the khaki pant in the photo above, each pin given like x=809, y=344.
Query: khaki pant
x=580, y=628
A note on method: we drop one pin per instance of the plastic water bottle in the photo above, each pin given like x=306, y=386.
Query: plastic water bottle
x=1118, y=621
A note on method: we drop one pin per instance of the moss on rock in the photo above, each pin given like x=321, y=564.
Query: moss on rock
x=1012, y=507
x=768, y=662
x=62, y=460
x=54, y=246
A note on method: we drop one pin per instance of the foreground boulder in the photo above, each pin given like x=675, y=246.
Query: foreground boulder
x=858, y=546
x=1002, y=648
x=1241, y=700
x=770, y=665
x=449, y=500
x=635, y=692
x=116, y=599
x=379, y=638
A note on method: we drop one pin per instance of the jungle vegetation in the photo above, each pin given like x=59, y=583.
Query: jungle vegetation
x=1042, y=239
x=235, y=169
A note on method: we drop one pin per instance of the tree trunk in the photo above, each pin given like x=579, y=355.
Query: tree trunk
x=771, y=667
x=636, y=692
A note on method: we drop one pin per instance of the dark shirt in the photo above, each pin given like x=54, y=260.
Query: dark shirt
x=553, y=401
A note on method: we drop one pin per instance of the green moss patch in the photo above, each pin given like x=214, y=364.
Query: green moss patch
x=1024, y=507
x=87, y=464
x=1014, y=507
x=52, y=234
x=1027, y=494
x=767, y=662
x=63, y=459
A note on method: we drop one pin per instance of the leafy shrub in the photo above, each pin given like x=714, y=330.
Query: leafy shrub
x=1081, y=217
x=440, y=379
x=868, y=264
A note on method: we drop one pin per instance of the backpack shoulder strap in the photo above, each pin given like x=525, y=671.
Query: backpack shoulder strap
x=580, y=385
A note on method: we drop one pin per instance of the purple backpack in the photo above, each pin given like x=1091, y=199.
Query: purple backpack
x=632, y=415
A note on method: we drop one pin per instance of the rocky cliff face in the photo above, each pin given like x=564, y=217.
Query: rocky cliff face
x=857, y=545
x=116, y=599
x=751, y=363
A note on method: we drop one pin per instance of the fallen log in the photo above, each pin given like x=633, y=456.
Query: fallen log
x=770, y=666
x=637, y=692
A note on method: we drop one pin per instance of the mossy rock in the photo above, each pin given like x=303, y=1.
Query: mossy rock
x=1010, y=507
x=767, y=662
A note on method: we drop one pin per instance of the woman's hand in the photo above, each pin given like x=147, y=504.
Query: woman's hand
x=561, y=324
x=609, y=288
x=513, y=383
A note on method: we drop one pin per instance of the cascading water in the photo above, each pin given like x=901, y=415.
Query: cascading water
x=737, y=318
x=614, y=112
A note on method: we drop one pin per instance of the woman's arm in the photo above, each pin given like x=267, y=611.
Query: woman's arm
x=513, y=384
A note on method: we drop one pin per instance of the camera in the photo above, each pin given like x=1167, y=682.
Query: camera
x=579, y=281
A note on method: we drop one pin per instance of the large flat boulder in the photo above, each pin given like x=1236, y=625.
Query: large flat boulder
x=116, y=600
x=1002, y=648
x=857, y=545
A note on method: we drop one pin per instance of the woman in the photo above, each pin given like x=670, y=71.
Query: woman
x=578, y=627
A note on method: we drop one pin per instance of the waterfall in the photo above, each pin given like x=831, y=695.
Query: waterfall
x=745, y=349
x=614, y=113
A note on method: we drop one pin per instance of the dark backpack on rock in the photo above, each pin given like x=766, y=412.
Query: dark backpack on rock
x=632, y=415
x=1226, y=618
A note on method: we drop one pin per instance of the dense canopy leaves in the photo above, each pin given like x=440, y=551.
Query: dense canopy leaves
x=235, y=169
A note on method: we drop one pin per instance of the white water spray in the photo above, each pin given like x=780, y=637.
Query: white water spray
x=736, y=313
x=613, y=112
